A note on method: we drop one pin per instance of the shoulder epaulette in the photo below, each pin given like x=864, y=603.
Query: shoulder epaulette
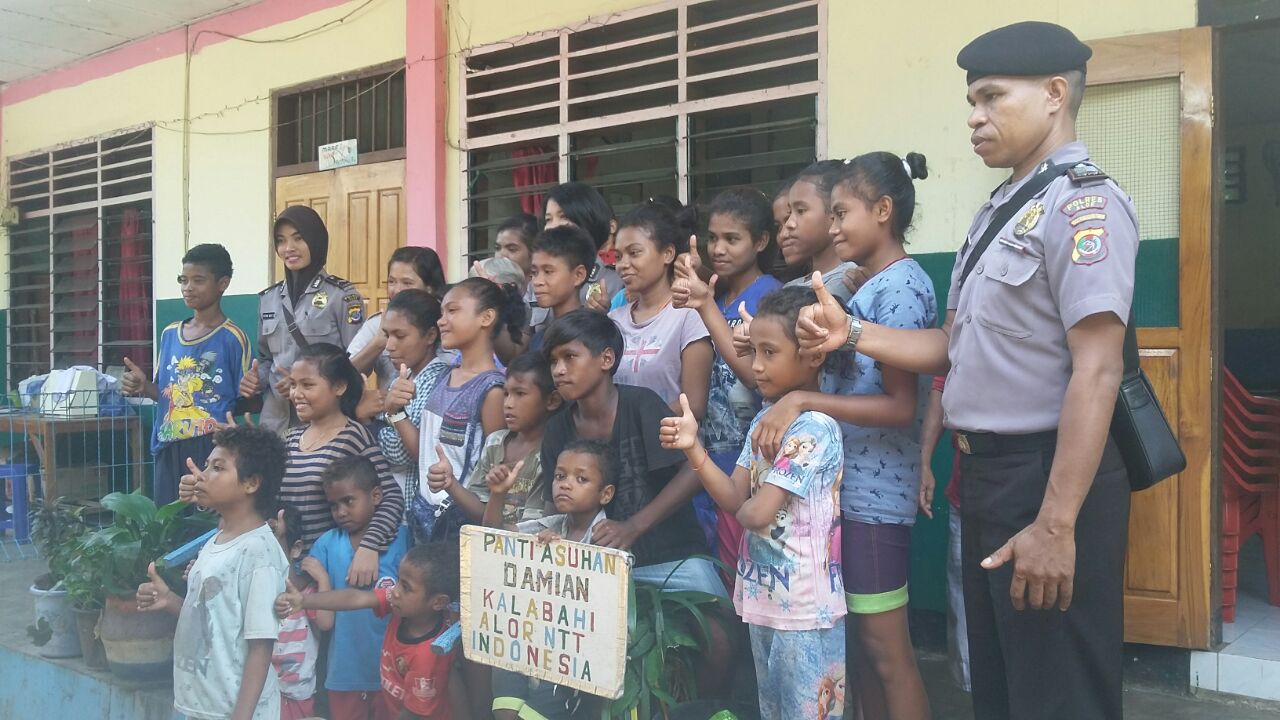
x=1086, y=174
x=271, y=287
x=338, y=282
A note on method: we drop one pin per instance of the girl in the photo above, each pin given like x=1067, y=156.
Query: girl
x=740, y=247
x=325, y=388
x=805, y=238
x=665, y=348
x=575, y=203
x=781, y=211
x=465, y=405
x=410, y=268
x=878, y=407
x=309, y=306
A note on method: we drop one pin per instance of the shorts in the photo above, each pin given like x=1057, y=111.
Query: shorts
x=800, y=673
x=171, y=465
x=877, y=563
x=695, y=573
x=291, y=709
x=359, y=705
x=534, y=699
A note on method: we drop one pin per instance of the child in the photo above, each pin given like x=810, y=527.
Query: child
x=579, y=204
x=410, y=268
x=878, y=408
x=665, y=348
x=298, y=645
x=740, y=249
x=226, y=630
x=781, y=211
x=416, y=682
x=562, y=260
x=583, y=486
x=807, y=238
x=788, y=585
x=465, y=406
x=514, y=241
x=198, y=371
x=352, y=490
x=531, y=398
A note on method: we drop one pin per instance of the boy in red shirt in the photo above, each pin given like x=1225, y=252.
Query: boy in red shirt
x=416, y=682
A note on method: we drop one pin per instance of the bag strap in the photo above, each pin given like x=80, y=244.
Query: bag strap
x=1131, y=358
x=290, y=323
x=1041, y=180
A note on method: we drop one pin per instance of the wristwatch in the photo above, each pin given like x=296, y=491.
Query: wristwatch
x=855, y=332
x=396, y=417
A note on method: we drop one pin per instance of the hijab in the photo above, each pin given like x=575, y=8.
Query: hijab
x=315, y=235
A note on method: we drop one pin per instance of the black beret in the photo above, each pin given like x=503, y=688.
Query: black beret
x=1024, y=49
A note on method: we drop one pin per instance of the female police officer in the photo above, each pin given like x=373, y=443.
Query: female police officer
x=308, y=306
x=1032, y=345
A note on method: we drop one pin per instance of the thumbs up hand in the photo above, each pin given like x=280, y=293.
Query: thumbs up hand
x=823, y=326
x=285, y=383
x=154, y=594
x=440, y=475
x=742, y=333
x=400, y=393
x=251, y=384
x=501, y=478
x=134, y=381
x=688, y=290
x=289, y=601
x=187, y=483
x=679, y=432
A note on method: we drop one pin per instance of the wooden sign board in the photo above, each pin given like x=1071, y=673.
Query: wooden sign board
x=556, y=611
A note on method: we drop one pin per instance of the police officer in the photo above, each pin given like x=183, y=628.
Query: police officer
x=309, y=306
x=1033, y=344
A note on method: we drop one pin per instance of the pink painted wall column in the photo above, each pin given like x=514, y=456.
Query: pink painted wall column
x=426, y=53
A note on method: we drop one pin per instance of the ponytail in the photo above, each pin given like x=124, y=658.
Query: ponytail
x=335, y=367
x=507, y=300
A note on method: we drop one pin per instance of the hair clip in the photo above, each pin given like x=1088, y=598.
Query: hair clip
x=906, y=166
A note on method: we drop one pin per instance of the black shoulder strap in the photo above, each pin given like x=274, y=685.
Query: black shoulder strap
x=1002, y=216
x=289, y=322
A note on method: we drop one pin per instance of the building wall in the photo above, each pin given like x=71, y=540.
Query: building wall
x=1250, y=233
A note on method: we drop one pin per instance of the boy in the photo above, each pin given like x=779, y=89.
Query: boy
x=416, y=682
x=198, y=370
x=353, y=492
x=790, y=507
x=563, y=257
x=226, y=630
x=530, y=400
x=583, y=486
x=298, y=645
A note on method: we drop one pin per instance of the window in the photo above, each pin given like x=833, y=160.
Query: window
x=368, y=109
x=80, y=283
x=683, y=98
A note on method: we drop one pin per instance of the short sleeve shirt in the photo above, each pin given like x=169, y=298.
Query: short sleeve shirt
x=651, y=349
x=295, y=653
x=525, y=499
x=882, y=464
x=643, y=469
x=559, y=524
x=1071, y=252
x=230, y=600
x=356, y=639
x=413, y=677
x=730, y=404
x=789, y=572
x=198, y=380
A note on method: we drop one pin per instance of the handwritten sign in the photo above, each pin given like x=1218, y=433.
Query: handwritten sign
x=556, y=611
x=338, y=154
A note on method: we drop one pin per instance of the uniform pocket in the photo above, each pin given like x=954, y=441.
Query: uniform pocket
x=1012, y=268
x=1011, y=271
x=267, y=328
x=318, y=328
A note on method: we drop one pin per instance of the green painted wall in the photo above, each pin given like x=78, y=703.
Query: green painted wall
x=241, y=309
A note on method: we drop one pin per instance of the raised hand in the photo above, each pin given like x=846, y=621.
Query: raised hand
x=134, y=380
x=285, y=383
x=187, y=483
x=742, y=333
x=546, y=536
x=400, y=393
x=823, y=326
x=596, y=299
x=231, y=421
x=371, y=402
x=289, y=601
x=688, y=290
x=477, y=270
x=679, y=432
x=154, y=594
x=313, y=567
x=501, y=478
x=251, y=384
x=440, y=475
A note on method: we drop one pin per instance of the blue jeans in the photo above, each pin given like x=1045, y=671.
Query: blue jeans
x=695, y=573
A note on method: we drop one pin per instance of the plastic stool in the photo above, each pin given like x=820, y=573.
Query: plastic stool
x=20, y=521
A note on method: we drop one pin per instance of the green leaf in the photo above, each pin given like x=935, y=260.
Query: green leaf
x=695, y=611
x=134, y=507
x=168, y=512
x=631, y=607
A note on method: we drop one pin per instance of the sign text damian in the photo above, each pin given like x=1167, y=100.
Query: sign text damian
x=556, y=611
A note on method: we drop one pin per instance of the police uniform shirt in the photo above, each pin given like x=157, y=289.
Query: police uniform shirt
x=1068, y=254
x=330, y=310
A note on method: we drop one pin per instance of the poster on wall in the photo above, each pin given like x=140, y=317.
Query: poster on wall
x=554, y=611
x=338, y=154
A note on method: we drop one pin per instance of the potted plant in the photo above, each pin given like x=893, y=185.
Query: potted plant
x=56, y=528
x=139, y=645
x=83, y=584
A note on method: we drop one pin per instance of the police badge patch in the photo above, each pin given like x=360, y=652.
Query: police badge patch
x=355, y=313
x=1084, y=202
x=1090, y=246
x=1029, y=220
x=320, y=299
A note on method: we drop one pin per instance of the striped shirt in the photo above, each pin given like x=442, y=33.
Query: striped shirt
x=302, y=487
x=295, y=653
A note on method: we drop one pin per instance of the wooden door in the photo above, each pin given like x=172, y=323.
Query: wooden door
x=363, y=207
x=1147, y=119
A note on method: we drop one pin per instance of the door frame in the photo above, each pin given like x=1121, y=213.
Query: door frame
x=1191, y=56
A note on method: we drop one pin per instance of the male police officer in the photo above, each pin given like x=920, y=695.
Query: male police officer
x=1033, y=344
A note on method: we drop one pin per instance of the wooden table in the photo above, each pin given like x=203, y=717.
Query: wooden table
x=44, y=431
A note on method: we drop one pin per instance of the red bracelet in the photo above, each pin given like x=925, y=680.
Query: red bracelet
x=705, y=456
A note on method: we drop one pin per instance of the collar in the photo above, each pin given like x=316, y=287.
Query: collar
x=311, y=287
x=1073, y=152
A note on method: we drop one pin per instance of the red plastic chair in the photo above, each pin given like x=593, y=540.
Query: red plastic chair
x=1250, y=487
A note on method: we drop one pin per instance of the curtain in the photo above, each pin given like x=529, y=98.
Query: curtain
x=533, y=175
x=134, y=307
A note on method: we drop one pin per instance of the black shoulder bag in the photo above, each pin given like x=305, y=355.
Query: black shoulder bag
x=1138, y=425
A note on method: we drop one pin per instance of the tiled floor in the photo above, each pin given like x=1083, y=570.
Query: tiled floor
x=1249, y=663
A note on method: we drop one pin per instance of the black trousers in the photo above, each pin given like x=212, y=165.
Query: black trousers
x=1044, y=664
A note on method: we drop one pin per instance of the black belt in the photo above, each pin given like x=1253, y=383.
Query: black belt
x=996, y=444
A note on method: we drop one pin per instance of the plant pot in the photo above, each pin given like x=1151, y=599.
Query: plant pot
x=53, y=607
x=90, y=645
x=139, y=645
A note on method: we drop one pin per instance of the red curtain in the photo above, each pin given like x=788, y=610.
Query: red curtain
x=134, y=306
x=83, y=298
x=532, y=175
